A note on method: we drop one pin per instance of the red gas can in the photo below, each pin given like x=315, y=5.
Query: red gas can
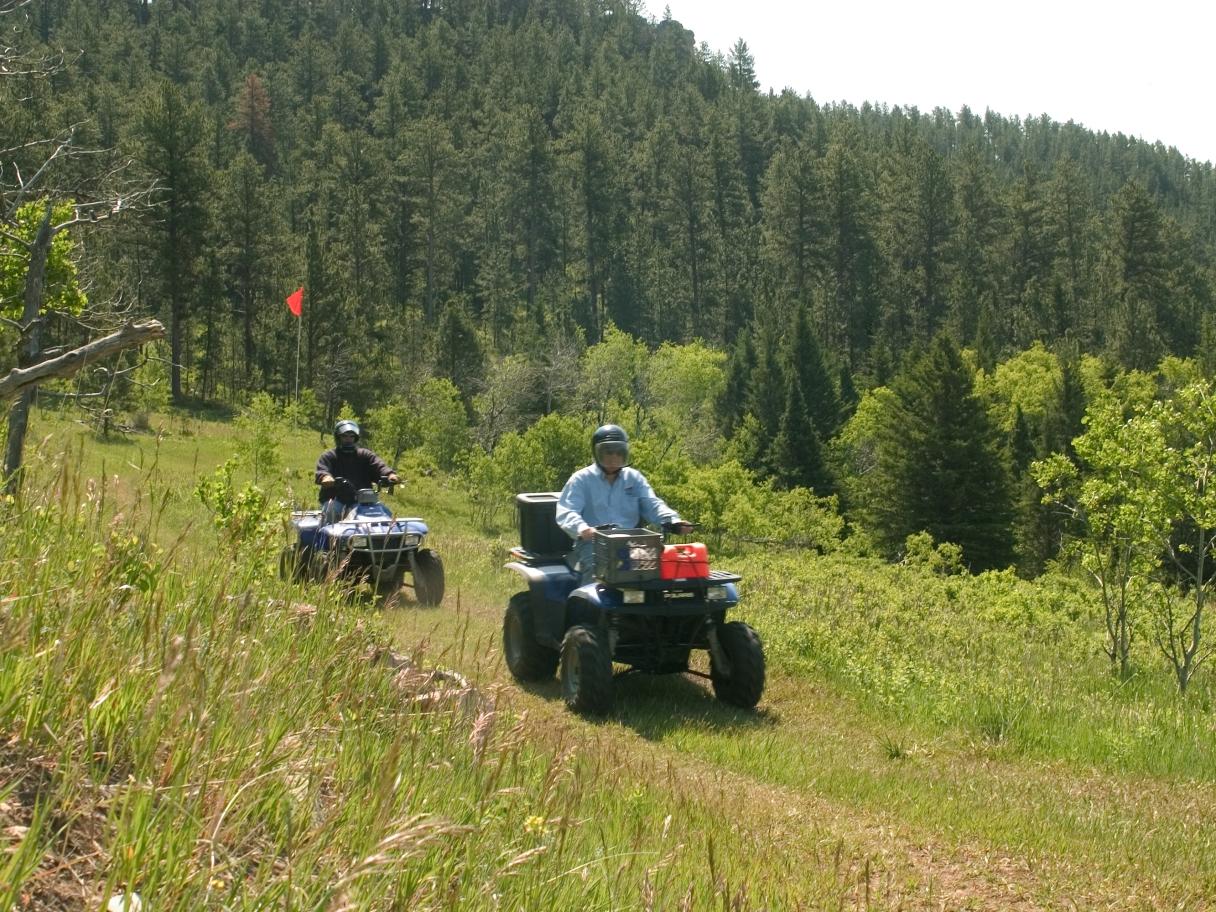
x=690, y=561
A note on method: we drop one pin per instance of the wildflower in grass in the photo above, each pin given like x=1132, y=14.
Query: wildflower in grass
x=125, y=902
x=536, y=826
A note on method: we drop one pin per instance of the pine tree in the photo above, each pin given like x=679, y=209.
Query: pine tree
x=433, y=197
x=805, y=367
x=246, y=218
x=849, y=304
x=1135, y=281
x=589, y=159
x=917, y=198
x=796, y=457
x=739, y=372
x=747, y=111
x=736, y=272
x=460, y=357
x=1068, y=223
x=793, y=226
x=939, y=467
x=170, y=131
x=976, y=244
x=1065, y=423
x=252, y=121
x=766, y=394
x=849, y=396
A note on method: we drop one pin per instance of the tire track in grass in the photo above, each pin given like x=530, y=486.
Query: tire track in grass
x=906, y=828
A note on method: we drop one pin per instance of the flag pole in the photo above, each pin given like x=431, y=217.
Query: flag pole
x=299, y=332
x=295, y=304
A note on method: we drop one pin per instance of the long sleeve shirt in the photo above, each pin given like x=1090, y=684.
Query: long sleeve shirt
x=590, y=499
x=360, y=468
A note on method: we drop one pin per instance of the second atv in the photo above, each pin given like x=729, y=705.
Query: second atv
x=367, y=544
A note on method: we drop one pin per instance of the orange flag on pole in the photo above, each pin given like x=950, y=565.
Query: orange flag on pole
x=295, y=301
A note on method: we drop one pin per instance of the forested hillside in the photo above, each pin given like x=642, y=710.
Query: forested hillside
x=501, y=211
x=457, y=181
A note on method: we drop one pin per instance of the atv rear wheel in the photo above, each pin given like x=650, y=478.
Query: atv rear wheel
x=527, y=659
x=428, y=577
x=586, y=671
x=743, y=682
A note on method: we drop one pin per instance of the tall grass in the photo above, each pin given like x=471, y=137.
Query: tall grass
x=180, y=724
x=990, y=658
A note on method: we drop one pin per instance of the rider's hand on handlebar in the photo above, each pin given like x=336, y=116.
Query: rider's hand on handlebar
x=680, y=528
x=587, y=534
x=326, y=480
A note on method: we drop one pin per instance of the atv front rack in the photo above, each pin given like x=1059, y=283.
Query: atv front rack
x=715, y=578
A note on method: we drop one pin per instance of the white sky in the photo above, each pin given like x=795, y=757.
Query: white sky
x=1142, y=68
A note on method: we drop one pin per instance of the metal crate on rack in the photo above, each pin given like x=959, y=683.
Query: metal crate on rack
x=627, y=555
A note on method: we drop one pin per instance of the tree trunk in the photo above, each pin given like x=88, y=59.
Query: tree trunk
x=29, y=351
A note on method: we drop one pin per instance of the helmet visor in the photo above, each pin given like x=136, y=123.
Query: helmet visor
x=607, y=448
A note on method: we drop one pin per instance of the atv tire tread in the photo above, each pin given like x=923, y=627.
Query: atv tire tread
x=586, y=672
x=745, y=683
x=428, y=577
x=527, y=659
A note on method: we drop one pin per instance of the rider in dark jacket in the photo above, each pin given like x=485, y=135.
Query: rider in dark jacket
x=358, y=465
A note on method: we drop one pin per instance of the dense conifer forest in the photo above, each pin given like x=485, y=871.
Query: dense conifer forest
x=514, y=206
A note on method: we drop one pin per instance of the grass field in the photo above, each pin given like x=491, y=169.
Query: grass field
x=181, y=724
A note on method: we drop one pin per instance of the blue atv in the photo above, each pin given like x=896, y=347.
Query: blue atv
x=631, y=615
x=367, y=544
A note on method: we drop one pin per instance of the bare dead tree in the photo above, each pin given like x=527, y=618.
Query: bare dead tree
x=20, y=379
x=37, y=253
x=13, y=62
x=27, y=177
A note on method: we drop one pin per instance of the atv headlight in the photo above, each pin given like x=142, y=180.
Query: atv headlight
x=715, y=593
x=411, y=541
x=633, y=596
x=358, y=541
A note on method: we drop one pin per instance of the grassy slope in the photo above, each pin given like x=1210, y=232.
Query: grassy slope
x=923, y=743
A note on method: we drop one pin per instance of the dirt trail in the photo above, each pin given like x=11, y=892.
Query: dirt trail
x=892, y=862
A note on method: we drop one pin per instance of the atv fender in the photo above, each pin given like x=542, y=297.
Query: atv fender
x=548, y=585
x=586, y=607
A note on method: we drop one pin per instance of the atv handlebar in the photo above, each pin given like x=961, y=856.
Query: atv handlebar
x=668, y=528
x=683, y=527
x=341, y=488
x=380, y=484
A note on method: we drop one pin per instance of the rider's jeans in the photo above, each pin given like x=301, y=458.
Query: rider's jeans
x=582, y=559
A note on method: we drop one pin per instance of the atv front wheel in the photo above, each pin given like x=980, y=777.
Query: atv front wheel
x=527, y=659
x=586, y=672
x=743, y=682
x=428, y=578
x=293, y=563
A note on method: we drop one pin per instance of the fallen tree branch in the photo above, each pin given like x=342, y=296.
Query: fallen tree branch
x=69, y=363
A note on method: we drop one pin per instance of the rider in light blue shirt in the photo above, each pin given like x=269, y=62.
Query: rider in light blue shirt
x=609, y=492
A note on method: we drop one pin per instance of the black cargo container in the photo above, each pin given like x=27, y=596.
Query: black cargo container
x=538, y=531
